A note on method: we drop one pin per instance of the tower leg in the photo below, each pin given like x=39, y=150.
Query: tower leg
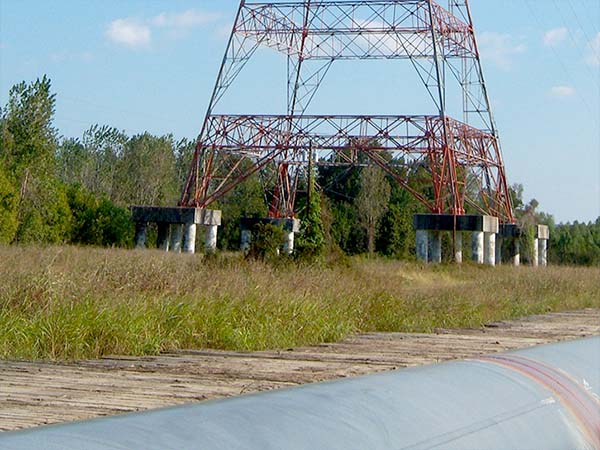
x=536, y=257
x=499, y=242
x=288, y=243
x=210, y=244
x=543, y=252
x=141, y=229
x=245, y=241
x=162, y=239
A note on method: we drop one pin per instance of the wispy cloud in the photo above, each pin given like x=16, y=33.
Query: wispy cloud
x=593, y=56
x=562, y=91
x=129, y=32
x=138, y=33
x=555, y=36
x=500, y=48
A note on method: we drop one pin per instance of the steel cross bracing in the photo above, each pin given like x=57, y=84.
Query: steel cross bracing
x=462, y=159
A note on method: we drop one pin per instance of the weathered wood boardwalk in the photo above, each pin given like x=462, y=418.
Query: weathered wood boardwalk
x=35, y=393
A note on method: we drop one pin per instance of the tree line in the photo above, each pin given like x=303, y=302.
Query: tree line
x=78, y=191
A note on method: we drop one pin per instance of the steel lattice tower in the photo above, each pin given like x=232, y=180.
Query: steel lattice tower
x=460, y=159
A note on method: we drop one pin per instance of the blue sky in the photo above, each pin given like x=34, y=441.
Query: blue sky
x=151, y=65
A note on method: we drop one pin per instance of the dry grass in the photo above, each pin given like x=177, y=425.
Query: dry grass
x=73, y=303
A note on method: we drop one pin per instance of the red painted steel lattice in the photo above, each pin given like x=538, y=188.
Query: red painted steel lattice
x=461, y=160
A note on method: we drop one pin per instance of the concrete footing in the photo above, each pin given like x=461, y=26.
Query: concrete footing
x=490, y=249
x=477, y=250
x=177, y=227
x=289, y=226
x=540, y=247
x=430, y=228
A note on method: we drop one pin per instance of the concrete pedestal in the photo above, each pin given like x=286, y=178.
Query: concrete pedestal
x=436, y=247
x=189, y=238
x=141, y=230
x=490, y=249
x=499, y=243
x=543, y=252
x=516, y=253
x=436, y=224
x=458, y=248
x=422, y=246
x=290, y=226
x=288, y=243
x=535, y=257
x=245, y=241
x=210, y=243
x=477, y=252
x=176, y=237
x=162, y=238
x=177, y=227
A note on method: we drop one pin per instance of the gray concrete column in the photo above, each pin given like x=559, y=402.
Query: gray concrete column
x=189, y=238
x=490, y=248
x=516, y=252
x=436, y=246
x=477, y=246
x=210, y=243
x=162, y=238
x=458, y=247
x=422, y=246
x=543, y=252
x=288, y=243
x=499, y=242
x=245, y=241
x=536, y=257
x=176, y=237
x=141, y=229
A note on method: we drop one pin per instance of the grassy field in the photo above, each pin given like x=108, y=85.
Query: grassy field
x=74, y=303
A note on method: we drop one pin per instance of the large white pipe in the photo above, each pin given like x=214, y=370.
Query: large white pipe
x=539, y=398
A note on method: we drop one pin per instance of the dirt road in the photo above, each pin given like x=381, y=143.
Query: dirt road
x=35, y=393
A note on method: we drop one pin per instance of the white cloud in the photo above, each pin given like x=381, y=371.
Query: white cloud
x=593, y=57
x=187, y=19
x=500, y=48
x=136, y=33
x=129, y=32
x=555, y=36
x=562, y=91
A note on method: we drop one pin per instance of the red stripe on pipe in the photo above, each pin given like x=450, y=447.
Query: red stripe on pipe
x=582, y=405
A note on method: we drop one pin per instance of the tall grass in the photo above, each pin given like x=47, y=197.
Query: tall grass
x=74, y=303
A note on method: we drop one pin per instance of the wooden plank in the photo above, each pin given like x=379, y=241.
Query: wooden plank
x=36, y=393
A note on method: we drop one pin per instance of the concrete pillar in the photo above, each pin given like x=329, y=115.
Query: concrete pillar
x=458, y=244
x=176, y=237
x=436, y=247
x=422, y=246
x=477, y=246
x=245, y=241
x=490, y=248
x=499, y=242
x=543, y=252
x=189, y=238
x=162, y=238
x=210, y=243
x=288, y=243
x=516, y=252
x=536, y=258
x=141, y=229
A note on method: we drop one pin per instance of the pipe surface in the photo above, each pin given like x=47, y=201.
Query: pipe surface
x=540, y=398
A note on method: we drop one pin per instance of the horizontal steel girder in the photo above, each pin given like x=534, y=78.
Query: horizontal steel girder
x=363, y=29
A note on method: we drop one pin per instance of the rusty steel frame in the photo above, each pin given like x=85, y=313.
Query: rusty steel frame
x=462, y=159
